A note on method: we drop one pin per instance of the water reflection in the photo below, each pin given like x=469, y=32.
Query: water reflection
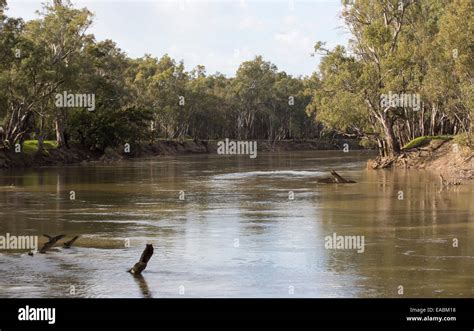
x=237, y=233
x=143, y=285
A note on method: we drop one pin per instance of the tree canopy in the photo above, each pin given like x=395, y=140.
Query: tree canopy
x=417, y=49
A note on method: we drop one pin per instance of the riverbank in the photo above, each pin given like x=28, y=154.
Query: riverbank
x=77, y=155
x=452, y=161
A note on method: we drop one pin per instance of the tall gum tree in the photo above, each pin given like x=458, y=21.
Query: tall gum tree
x=376, y=28
x=61, y=32
x=399, y=47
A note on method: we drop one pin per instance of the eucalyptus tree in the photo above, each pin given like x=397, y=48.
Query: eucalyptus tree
x=42, y=55
x=12, y=81
x=287, y=118
x=400, y=47
x=162, y=84
x=449, y=83
x=337, y=92
x=378, y=29
x=61, y=31
x=208, y=106
x=118, y=118
x=252, y=89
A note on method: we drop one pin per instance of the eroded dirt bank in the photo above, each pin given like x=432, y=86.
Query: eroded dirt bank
x=454, y=163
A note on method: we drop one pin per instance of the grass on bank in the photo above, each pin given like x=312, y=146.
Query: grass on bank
x=31, y=146
x=424, y=140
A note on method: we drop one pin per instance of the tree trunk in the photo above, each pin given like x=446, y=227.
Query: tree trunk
x=21, y=128
x=380, y=146
x=40, y=136
x=422, y=121
x=391, y=144
x=60, y=138
x=434, y=111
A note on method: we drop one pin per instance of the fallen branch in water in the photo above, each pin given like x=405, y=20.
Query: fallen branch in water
x=69, y=243
x=138, y=268
x=51, y=242
x=335, y=179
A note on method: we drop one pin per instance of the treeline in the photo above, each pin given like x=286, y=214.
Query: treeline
x=418, y=51
x=136, y=100
x=403, y=51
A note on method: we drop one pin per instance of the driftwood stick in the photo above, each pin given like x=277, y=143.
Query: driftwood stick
x=138, y=268
x=339, y=179
x=69, y=243
x=51, y=242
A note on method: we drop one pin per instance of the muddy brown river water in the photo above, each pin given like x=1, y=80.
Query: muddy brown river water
x=225, y=226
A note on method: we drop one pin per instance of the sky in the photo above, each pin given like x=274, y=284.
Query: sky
x=219, y=34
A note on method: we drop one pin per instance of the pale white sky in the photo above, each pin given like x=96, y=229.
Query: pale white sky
x=220, y=34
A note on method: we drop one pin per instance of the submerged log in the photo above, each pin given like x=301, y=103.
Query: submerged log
x=138, y=268
x=340, y=179
x=69, y=243
x=51, y=242
x=335, y=179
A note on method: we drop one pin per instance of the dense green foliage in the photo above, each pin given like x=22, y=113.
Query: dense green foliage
x=423, y=48
x=136, y=100
x=416, y=48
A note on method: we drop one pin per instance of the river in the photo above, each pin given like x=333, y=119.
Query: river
x=227, y=226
